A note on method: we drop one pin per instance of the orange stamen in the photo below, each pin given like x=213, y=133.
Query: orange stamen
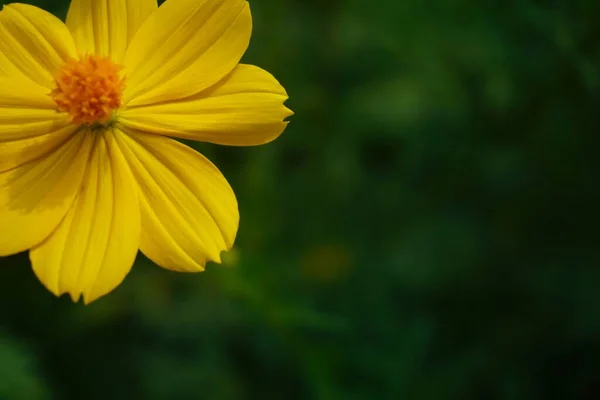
x=89, y=89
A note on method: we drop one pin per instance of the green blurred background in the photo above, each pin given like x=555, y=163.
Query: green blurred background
x=426, y=228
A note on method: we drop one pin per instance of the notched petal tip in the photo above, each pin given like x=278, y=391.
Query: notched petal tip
x=289, y=113
x=89, y=298
x=75, y=297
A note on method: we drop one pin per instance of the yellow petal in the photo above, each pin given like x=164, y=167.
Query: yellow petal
x=244, y=109
x=8, y=69
x=95, y=245
x=18, y=152
x=185, y=47
x=35, y=196
x=35, y=42
x=29, y=123
x=189, y=211
x=105, y=27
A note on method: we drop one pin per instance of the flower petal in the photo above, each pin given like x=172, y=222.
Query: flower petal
x=35, y=196
x=35, y=42
x=95, y=245
x=189, y=211
x=185, y=47
x=8, y=69
x=105, y=27
x=29, y=124
x=244, y=109
x=19, y=152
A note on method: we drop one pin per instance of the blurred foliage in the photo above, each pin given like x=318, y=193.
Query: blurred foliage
x=426, y=228
x=19, y=379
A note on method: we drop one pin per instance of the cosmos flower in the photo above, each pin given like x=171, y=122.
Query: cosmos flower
x=89, y=172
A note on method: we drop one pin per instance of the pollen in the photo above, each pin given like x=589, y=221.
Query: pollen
x=89, y=89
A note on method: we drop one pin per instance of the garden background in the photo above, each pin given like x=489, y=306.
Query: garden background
x=426, y=227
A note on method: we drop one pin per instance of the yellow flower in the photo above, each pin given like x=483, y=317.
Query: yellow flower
x=88, y=172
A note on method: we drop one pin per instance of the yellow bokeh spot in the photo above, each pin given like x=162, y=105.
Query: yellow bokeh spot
x=326, y=263
x=89, y=89
x=231, y=258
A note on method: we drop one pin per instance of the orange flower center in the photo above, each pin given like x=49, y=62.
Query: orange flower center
x=89, y=89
